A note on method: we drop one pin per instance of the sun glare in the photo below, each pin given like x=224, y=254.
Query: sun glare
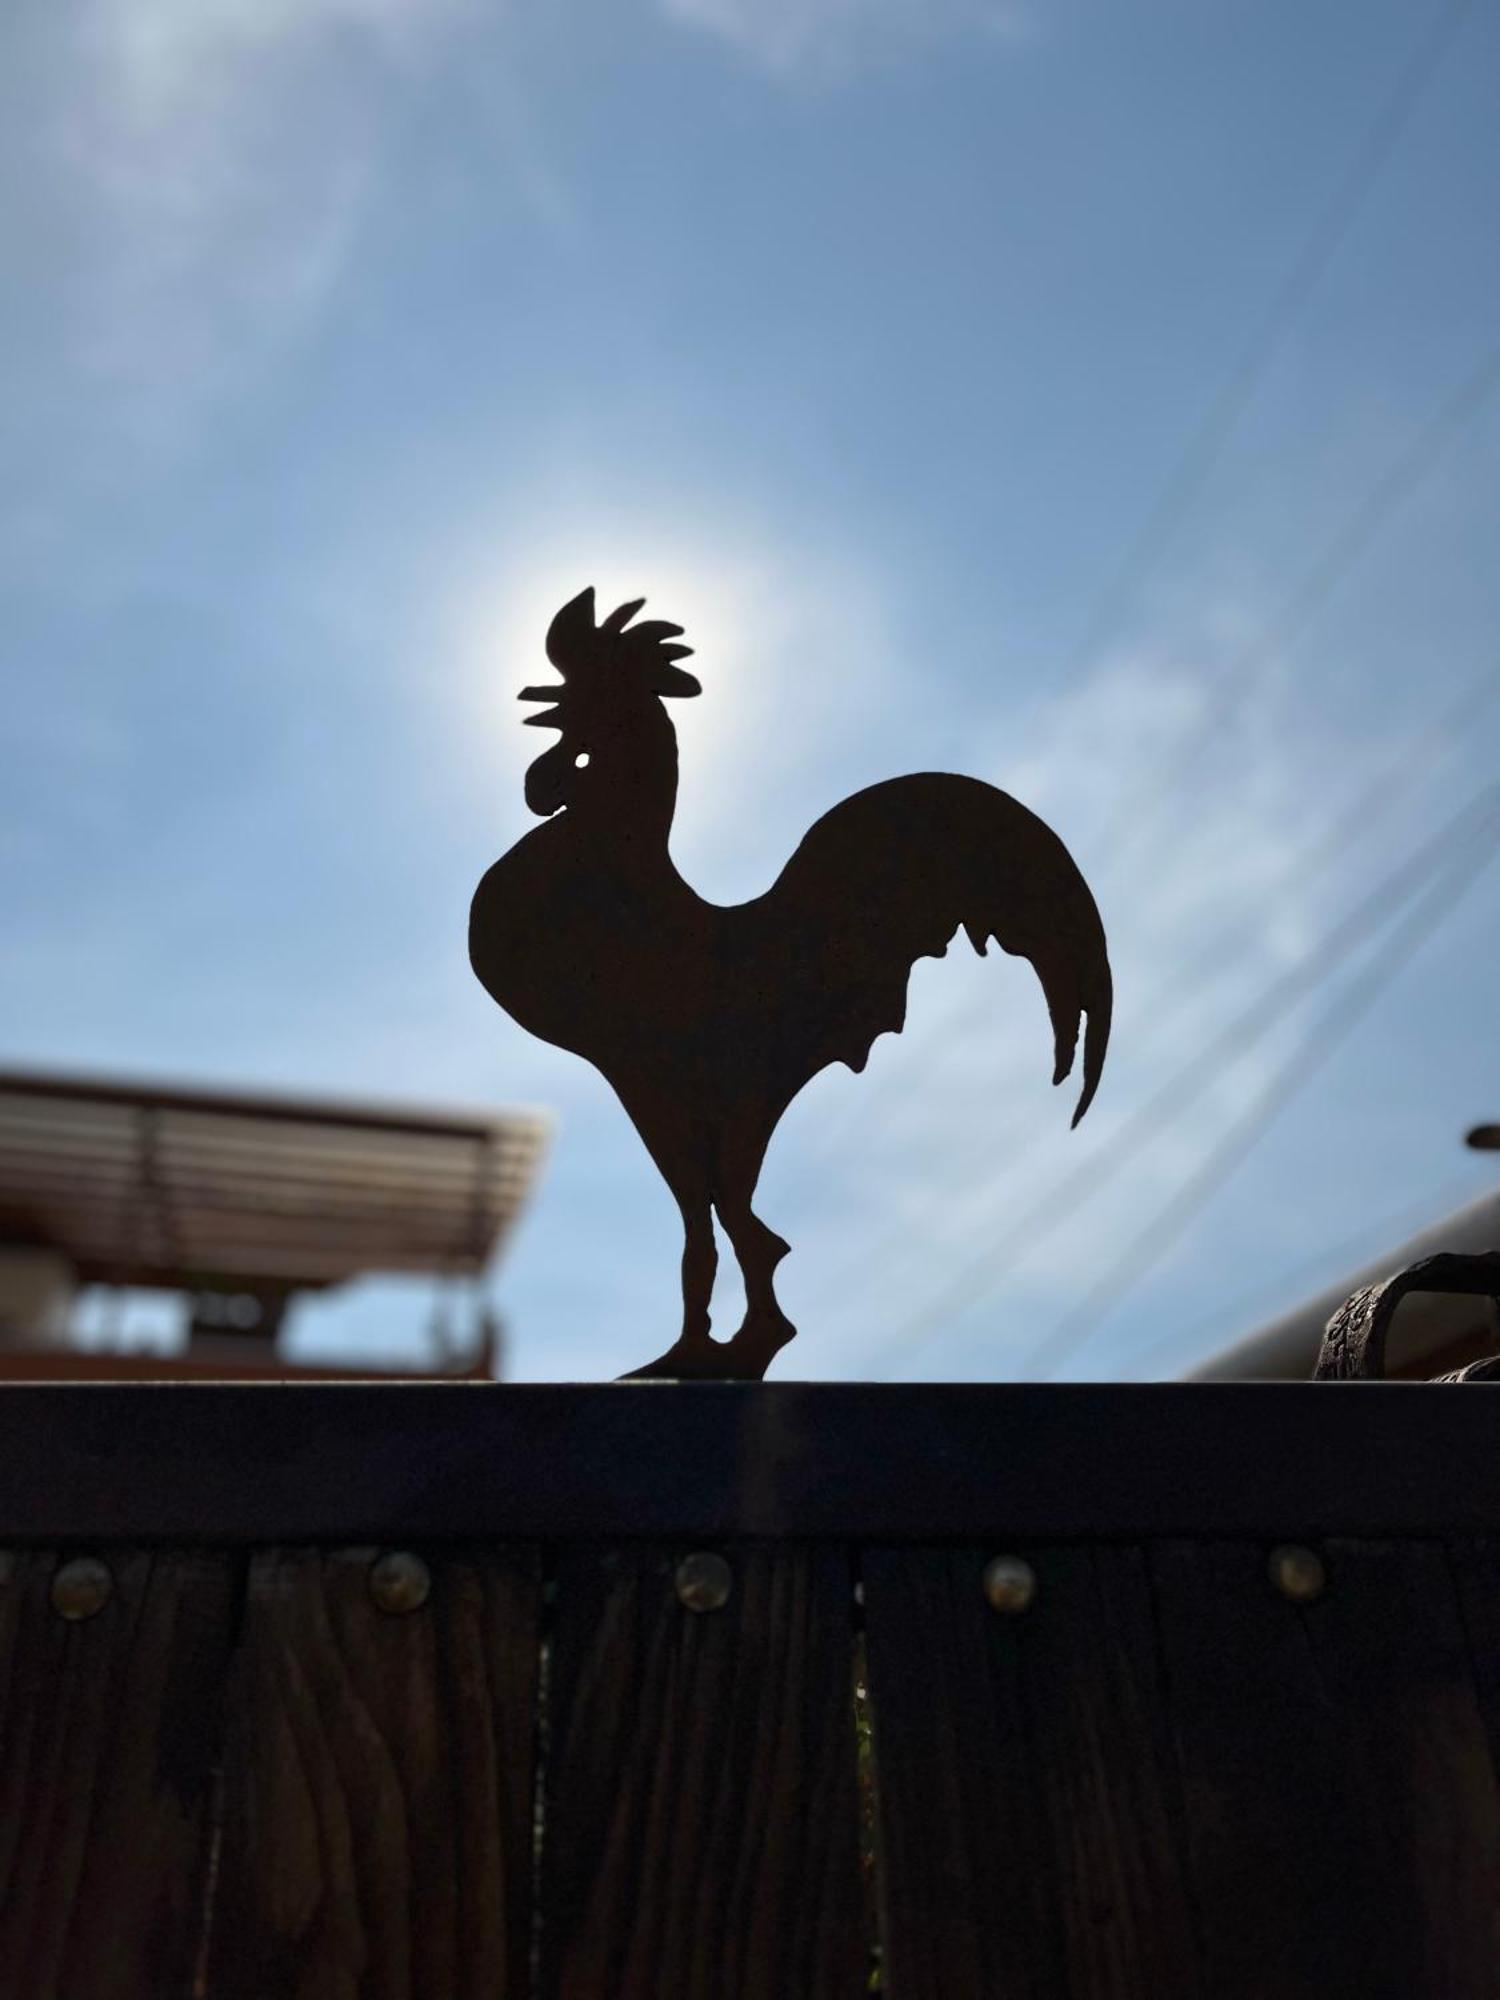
x=775, y=636
x=716, y=600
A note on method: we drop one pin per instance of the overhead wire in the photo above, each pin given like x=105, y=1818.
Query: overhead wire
x=1333, y=1029
x=1271, y=1005
x=1205, y=444
x=1141, y=804
x=1357, y=532
x=1182, y=986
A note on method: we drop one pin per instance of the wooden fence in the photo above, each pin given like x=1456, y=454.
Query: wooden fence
x=789, y=1691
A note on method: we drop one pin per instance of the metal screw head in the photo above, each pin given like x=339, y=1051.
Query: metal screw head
x=1009, y=1583
x=81, y=1589
x=1298, y=1573
x=704, y=1582
x=400, y=1582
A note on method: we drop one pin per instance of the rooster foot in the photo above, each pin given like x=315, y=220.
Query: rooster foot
x=739, y=1360
x=761, y=1337
x=687, y=1361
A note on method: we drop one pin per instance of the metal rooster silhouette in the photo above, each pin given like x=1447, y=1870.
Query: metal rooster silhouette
x=708, y=1020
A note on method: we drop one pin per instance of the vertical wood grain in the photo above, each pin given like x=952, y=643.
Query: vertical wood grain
x=701, y=1824
x=1030, y=1834
x=1340, y=1801
x=109, y=1735
x=1474, y=1563
x=378, y=1784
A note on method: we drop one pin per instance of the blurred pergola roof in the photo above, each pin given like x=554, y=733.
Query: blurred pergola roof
x=183, y=1189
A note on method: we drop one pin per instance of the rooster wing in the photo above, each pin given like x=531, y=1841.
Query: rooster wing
x=890, y=876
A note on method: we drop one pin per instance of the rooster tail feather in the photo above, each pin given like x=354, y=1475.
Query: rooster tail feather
x=894, y=873
x=1078, y=995
x=1099, y=1008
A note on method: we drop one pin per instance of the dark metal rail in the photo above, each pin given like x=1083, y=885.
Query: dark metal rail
x=374, y=1462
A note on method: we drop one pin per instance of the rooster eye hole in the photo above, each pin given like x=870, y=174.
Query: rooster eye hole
x=581, y=761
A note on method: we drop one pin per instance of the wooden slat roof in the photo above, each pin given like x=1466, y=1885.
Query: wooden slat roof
x=140, y=1184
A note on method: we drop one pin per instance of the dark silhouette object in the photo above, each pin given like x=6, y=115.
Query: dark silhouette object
x=708, y=1021
x=1354, y=1341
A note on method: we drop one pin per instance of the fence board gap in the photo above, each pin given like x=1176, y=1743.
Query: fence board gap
x=541, y=1739
x=872, y=1867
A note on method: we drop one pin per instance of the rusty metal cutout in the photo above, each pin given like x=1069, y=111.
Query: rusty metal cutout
x=708, y=1020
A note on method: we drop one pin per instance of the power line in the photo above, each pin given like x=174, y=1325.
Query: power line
x=1317, y=583
x=1206, y=443
x=1329, y=1034
x=1378, y=505
x=1364, y=920
x=1142, y=803
x=1175, y=992
x=1368, y=916
x=1317, y=251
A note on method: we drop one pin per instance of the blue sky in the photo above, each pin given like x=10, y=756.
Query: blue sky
x=345, y=338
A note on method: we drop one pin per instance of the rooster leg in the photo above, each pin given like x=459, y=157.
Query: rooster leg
x=765, y=1329
x=694, y=1353
x=757, y=1249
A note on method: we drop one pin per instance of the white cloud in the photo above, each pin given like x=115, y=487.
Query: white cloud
x=826, y=37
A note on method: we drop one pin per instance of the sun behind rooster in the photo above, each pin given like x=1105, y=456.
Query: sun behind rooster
x=708, y=1020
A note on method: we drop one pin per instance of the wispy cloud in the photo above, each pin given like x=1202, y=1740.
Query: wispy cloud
x=822, y=38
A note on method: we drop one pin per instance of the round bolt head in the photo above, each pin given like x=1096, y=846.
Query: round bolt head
x=400, y=1582
x=81, y=1589
x=704, y=1582
x=1009, y=1583
x=1298, y=1573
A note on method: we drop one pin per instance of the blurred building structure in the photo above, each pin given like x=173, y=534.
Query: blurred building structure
x=239, y=1203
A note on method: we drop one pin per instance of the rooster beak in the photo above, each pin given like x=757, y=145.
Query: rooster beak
x=550, y=717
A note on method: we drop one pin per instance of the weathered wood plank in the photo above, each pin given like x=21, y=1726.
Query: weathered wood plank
x=701, y=1818
x=1030, y=1836
x=109, y=1735
x=1340, y=1802
x=351, y=1463
x=1474, y=1562
x=379, y=1784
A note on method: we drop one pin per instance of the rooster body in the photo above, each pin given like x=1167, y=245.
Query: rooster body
x=708, y=1020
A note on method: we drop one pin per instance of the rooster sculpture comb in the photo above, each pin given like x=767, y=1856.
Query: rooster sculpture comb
x=581, y=651
x=708, y=1020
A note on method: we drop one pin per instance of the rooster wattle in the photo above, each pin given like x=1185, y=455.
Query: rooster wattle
x=708, y=1020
